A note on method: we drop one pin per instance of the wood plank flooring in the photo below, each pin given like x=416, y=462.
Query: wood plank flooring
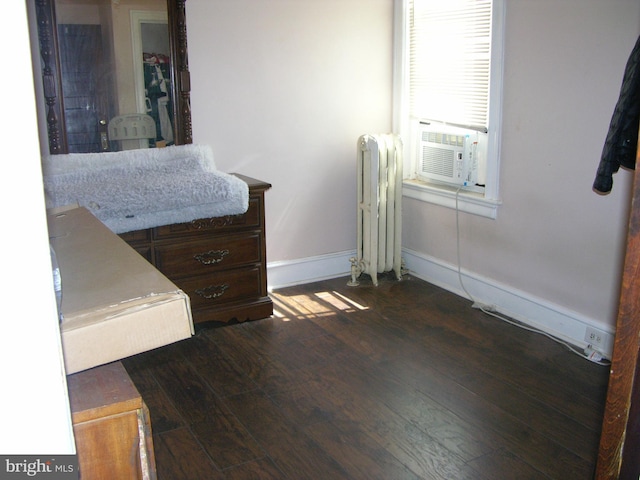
x=399, y=381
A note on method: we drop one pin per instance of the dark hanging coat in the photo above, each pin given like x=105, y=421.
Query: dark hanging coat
x=622, y=139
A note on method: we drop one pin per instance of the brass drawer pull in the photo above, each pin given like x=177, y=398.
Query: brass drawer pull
x=212, y=291
x=211, y=257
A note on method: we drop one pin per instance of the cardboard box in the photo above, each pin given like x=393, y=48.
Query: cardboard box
x=115, y=304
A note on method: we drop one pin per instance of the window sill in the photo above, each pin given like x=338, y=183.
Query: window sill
x=444, y=195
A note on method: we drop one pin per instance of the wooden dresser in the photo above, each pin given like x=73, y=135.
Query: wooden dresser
x=220, y=263
x=111, y=425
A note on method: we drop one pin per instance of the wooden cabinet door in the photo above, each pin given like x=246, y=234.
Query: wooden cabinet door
x=109, y=448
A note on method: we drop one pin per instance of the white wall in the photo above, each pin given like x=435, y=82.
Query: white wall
x=554, y=239
x=282, y=89
x=35, y=414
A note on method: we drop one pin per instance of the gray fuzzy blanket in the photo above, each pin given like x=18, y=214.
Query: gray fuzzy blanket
x=145, y=188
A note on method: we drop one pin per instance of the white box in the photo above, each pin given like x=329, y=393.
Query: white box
x=115, y=304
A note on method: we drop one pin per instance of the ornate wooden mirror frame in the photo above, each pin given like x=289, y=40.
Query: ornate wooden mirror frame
x=51, y=75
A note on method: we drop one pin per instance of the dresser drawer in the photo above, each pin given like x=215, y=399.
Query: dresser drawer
x=205, y=256
x=249, y=219
x=222, y=287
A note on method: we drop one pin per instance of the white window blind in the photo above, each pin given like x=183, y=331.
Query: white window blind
x=449, y=61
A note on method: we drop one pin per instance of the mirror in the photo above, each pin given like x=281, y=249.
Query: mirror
x=115, y=74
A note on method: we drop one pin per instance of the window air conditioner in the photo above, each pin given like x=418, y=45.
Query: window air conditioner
x=447, y=154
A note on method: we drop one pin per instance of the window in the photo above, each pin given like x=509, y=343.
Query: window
x=447, y=100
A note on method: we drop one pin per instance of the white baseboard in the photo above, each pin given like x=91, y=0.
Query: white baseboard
x=306, y=270
x=555, y=320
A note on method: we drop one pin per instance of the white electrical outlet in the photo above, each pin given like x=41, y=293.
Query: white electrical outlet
x=597, y=339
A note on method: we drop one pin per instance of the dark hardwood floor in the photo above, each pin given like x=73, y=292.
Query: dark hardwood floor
x=399, y=381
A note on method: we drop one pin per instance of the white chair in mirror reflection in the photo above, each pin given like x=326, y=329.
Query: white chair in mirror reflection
x=133, y=130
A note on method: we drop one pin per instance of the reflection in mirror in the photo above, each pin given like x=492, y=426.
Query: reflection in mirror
x=153, y=92
x=115, y=74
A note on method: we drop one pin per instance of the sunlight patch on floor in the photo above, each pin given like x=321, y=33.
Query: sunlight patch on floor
x=285, y=310
x=318, y=304
x=340, y=302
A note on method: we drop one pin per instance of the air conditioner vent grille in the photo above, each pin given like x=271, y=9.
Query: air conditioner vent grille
x=443, y=138
x=438, y=161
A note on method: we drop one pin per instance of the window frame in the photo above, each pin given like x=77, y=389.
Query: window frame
x=484, y=203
